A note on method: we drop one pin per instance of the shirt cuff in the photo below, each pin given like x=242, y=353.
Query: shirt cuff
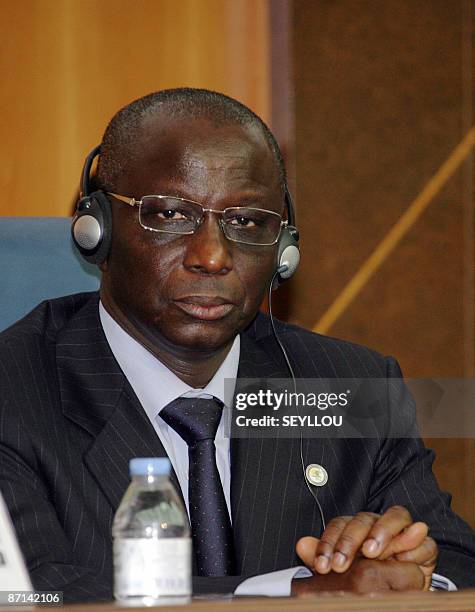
x=441, y=583
x=274, y=584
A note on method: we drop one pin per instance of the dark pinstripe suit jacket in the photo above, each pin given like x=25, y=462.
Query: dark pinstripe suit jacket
x=70, y=422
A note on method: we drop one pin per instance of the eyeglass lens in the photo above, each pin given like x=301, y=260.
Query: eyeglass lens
x=241, y=224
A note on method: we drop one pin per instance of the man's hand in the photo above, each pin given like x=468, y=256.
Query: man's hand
x=392, y=536
x=364, y=576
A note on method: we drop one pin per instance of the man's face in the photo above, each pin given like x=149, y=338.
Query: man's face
x=195, y=291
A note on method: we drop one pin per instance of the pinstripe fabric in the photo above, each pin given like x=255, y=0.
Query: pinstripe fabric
x=69, y=423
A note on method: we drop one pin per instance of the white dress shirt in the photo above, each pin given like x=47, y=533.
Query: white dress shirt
x=156, y=386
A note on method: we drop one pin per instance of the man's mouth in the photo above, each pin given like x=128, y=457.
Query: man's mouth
x=205, y=307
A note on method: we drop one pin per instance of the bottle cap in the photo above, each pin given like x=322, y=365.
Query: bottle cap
x=150, y=465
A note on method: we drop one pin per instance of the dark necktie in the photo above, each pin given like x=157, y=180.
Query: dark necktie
x=196, y=420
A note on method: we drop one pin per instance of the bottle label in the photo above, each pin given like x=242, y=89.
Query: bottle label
x=148, y=567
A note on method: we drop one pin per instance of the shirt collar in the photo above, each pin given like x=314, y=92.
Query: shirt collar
x=154, y=384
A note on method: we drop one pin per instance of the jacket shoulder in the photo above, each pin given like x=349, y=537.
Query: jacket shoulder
x=316, y=354
x=46, y=320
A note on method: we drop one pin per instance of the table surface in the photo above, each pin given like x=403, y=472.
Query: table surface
x=439, y=601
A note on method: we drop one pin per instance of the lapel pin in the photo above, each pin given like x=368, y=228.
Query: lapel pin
x=316, y=475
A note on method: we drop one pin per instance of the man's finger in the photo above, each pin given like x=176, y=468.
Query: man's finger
x=306, y=549
x=424, y=555
x=326, y=545
x=389, y=525
x=351, y=539
x=409, y=539
x=341, y=541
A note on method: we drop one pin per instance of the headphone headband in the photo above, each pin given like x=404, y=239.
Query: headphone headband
x=84, y=189
x=289, y=205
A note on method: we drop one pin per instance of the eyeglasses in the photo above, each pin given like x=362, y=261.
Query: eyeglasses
x=172, y=215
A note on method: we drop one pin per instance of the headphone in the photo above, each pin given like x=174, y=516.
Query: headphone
x=91, y=228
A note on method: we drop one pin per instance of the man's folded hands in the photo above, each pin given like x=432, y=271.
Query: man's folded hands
x=368, y=552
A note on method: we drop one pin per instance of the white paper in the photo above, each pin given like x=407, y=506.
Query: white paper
x=13, y=573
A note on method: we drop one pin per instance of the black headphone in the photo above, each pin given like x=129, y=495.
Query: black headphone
x=92, y=226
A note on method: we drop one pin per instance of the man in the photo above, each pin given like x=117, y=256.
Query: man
x=87, y=385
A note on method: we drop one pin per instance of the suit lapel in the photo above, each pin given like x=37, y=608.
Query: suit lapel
x=127, y=434
x=96, y=396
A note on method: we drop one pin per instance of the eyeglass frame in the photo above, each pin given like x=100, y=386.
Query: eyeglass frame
x=134, y=202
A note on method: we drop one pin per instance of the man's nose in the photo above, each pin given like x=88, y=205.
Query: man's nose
x=208, y=249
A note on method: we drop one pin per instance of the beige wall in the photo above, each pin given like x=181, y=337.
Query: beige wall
x=68, y=65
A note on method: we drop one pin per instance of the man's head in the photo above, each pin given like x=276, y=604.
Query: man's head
x=120, y=137
x=195, y=292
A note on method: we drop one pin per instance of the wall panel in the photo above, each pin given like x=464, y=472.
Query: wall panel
x=68, y=65
x=383, y=94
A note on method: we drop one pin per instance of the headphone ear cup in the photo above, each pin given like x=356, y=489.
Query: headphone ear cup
x=91, y=227
x=288, y=254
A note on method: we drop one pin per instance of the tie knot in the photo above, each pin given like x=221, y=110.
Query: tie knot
x=193, y=418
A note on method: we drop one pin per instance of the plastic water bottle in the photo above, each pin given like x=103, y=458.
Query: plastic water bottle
x=152, y=544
